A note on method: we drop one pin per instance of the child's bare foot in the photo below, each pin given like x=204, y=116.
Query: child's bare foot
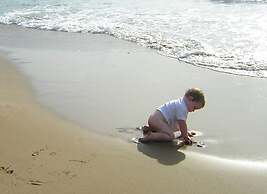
x=143, y=140
x=146, y=134
x=146, y=130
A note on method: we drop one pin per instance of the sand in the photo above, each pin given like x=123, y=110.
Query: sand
x=108, y=85
x=42, y=153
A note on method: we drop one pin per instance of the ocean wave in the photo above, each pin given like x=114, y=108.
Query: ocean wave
x=146, y=28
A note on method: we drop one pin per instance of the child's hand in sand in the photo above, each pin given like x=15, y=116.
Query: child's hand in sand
x=188, y=141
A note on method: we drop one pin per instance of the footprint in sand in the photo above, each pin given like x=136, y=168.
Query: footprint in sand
x=36, y=153
x=79, y=161
x=6, y=170
x=35, y=182
x=52, y=153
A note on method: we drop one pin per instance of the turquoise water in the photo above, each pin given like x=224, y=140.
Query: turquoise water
x=227, y=36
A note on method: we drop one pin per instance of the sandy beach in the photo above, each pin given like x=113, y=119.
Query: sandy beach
x=44, y=151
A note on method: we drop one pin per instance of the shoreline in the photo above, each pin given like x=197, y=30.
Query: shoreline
x=110, y=86
x=51, y=155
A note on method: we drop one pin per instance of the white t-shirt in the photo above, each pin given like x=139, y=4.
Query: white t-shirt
x=173, y=111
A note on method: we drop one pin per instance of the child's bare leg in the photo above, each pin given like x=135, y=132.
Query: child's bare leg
x=146, y=129
x=162, y=131
x=158, y=122
x=156, y=136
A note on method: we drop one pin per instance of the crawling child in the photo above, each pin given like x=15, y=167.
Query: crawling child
x=171, y=117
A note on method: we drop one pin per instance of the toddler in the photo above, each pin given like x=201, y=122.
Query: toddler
x=172, y=116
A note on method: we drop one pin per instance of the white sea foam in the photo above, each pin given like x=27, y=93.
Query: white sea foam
x=226, y=36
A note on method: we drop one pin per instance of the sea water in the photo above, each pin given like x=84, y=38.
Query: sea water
x=222, y=35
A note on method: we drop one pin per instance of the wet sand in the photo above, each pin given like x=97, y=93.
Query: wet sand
x=43, y=153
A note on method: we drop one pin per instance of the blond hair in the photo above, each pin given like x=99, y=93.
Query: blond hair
x=197, y=95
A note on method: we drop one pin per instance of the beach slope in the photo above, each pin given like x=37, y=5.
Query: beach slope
x=41, y=153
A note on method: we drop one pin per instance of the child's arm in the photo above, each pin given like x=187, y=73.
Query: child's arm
x=184, y=131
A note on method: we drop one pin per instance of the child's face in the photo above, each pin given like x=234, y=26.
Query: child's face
x=192, y=106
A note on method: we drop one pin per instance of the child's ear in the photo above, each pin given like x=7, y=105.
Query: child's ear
x=190, y=98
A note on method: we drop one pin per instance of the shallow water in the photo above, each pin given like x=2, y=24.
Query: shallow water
x=223, y=35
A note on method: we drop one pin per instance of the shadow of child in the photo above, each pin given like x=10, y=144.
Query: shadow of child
x=165, y=152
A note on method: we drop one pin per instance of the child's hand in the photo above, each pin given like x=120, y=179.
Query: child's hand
x=188, y=141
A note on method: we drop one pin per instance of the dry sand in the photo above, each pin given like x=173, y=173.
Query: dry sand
x=40, y=153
